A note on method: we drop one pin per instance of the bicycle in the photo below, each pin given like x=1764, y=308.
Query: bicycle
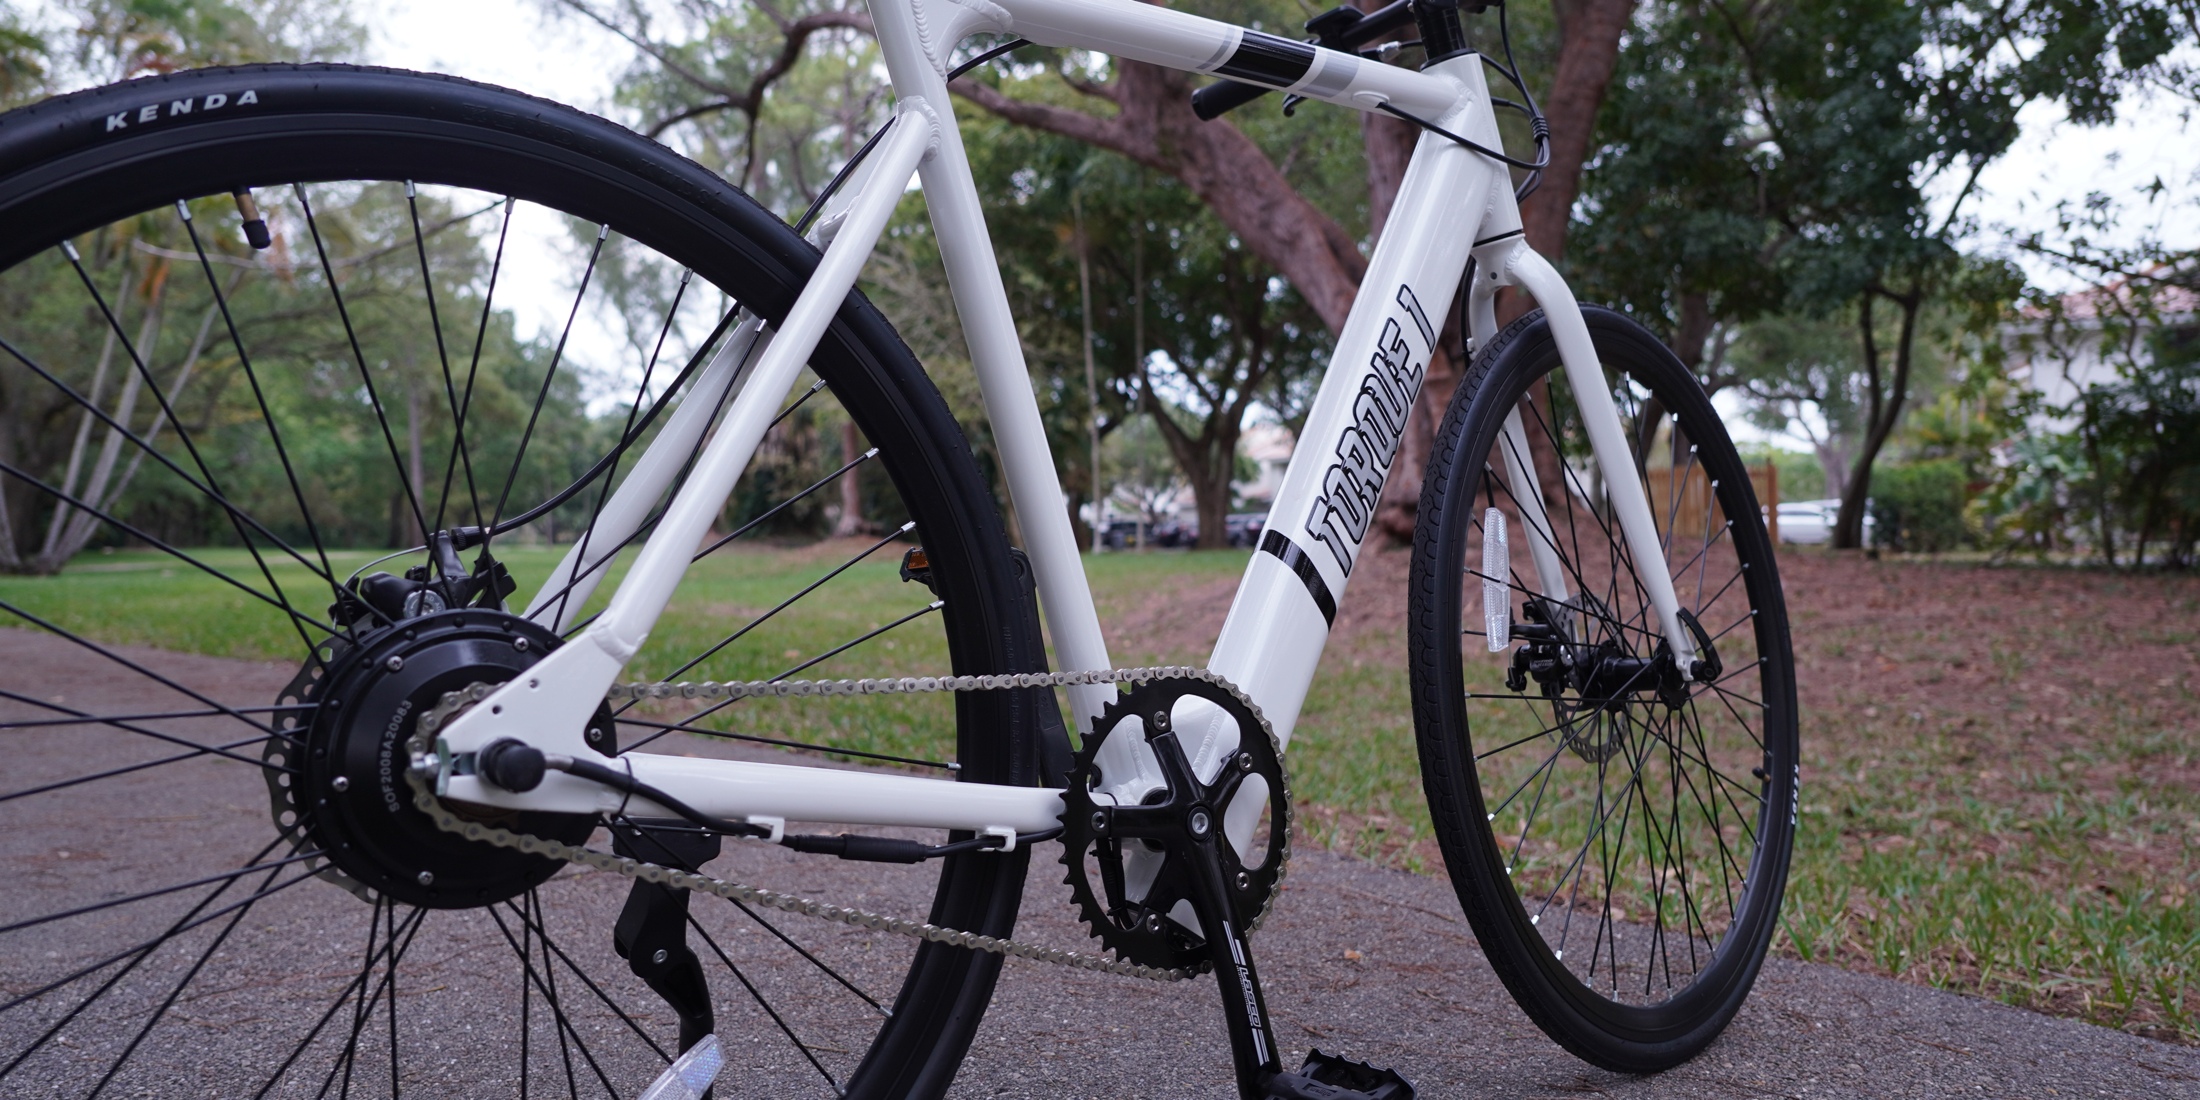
x=1608, y=741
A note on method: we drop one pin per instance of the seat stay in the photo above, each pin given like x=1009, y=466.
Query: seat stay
x=548, y=707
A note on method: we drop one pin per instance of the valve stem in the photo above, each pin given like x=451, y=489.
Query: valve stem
x=255, y=227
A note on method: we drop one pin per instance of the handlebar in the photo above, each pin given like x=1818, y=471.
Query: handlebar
x=1341, y=28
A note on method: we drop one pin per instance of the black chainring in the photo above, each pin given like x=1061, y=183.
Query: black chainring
x=336, y=779
x=1140, y=929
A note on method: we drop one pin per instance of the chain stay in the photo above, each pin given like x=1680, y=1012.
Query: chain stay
x=455, y=702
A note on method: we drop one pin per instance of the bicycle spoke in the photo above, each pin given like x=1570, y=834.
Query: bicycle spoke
x=357, y=982
x=641, y=393
x=273, y=601
x=551, y=946
x=206, y=954
x=359, y=356
x=463, y=405
x=835, y=975
x=133, y=899
x=785, y=604
x=783, y=505
x=758, y=996
x=259, y=396
x=289, y=387
x=562, y=1027
x=549, y=375
x=229, y=507
x=548, y=985
x=135, y=955
x=150, y=675
x=359, y=1008
x=663, y=855
x=389, y=983
x=442, y=355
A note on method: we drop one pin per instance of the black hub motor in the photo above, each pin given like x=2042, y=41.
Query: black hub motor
x=345, y=794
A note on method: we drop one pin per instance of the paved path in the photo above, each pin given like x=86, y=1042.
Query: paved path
x=1414, y=992
x=1422, y=999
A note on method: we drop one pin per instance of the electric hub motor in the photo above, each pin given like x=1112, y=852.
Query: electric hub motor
x=351, y=710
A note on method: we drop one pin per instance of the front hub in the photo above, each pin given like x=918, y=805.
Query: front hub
x=346, y=793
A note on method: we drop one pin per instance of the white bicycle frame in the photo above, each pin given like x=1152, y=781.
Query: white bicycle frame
x=1454, y=203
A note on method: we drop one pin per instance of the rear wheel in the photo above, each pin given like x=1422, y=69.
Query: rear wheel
x=1618, y=829
x=470, y=310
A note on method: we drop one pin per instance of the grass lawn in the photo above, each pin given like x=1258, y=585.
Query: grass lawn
x=2002, y=766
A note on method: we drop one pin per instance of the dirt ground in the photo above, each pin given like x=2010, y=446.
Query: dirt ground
x=2036, y=725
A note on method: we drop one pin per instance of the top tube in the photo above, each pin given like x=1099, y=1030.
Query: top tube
x=1191, y=43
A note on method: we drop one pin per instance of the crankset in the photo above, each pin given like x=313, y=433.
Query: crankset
x=1178, y=893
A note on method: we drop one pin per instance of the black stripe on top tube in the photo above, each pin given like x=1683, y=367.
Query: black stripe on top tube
x=1266, y=59
x=1289, y=553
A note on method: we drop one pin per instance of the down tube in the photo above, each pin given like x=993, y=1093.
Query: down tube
x=1286, y=604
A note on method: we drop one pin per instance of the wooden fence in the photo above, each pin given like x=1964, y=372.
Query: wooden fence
x=1694, y=496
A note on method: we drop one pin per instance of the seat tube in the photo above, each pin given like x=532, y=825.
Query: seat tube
x=996, y=353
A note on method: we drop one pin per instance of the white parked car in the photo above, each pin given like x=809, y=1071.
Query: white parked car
x=1810, y=522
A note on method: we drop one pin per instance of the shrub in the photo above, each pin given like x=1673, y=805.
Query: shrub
x=1918, y=507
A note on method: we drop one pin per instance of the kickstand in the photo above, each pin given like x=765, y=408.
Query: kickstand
x=1253, y=1049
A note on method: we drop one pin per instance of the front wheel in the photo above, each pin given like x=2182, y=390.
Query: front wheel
x=1618, y=829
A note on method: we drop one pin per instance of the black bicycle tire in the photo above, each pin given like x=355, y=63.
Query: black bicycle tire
x=1625, y=1038
x=79, y=161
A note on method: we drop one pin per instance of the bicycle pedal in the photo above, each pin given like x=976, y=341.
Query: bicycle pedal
x=1331, y=1077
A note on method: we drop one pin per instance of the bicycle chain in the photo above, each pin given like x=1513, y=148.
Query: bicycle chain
x=456, y=702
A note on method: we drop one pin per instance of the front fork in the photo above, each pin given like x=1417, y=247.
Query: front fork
x=1510, y=262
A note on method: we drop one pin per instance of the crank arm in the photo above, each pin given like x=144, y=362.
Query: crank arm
x=1253, y=1050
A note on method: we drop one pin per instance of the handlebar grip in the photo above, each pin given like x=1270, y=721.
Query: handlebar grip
x=1210, y=102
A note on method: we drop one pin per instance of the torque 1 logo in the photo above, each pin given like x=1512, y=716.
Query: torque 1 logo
x=1349, y=488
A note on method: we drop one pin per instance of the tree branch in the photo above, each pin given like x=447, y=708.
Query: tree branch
x=1090, y=129
x=656, y=54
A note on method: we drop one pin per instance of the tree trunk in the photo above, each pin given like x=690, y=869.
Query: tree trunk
x=1154, y=126
x=1092, y=373
x=1833, y=461
x=1588, y=48
x=1694, y=332
x=103, y=490
x=1211, y=499
x=851, y=488
x=2103, y=525
x=1884, y=411
x=60, y=518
